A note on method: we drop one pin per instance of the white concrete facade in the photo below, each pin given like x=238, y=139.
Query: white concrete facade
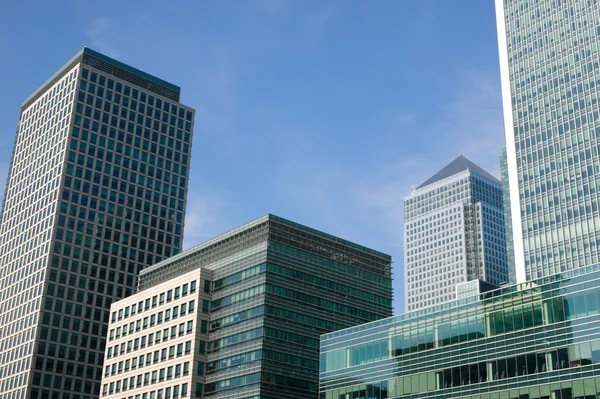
x=157, y=341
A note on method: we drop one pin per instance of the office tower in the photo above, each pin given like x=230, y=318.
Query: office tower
x=510, y=249
x=277, y=286
x=550, y=87
x=96, y=190
x=156, y=346
x=524, y=341
x=453, y=233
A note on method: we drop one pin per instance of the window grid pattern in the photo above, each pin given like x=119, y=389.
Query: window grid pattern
x=454, y=232
x=28, y=216
x=486, y=347
x=152, y=345
x=98, y=229
x=554, y=76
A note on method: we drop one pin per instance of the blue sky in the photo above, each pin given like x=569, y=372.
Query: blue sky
x=323, y=112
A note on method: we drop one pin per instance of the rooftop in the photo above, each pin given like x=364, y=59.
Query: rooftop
x=112, y=67
x=268, y=217
x=459, y=165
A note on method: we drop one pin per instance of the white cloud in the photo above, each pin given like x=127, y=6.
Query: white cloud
x=316, y=23
x=103, y=38
x=3, y=176
x=206, y=215
x=272, y=8
x=474, y=119
x=212, y=90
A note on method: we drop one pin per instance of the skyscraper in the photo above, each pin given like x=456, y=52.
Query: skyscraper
x=96, y=191
x=510, y=249
x=549, y=63
x=276, y=286
x=453, y=233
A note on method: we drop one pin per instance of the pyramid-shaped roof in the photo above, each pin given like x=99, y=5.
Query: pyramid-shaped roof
x=459, y=165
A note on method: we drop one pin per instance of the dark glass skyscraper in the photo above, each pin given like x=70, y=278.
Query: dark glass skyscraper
x=96, y=191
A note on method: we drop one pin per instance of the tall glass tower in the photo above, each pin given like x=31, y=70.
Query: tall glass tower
x=96, y=191
x=549, y=59
x=510, y=250
x=453, y=233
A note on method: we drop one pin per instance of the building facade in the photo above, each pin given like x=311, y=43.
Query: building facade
x=156, y=345
x=550, y=70
x=453, y=233
x=510, y=248
x=276, y=287
x=96, y=191
x=535, y=340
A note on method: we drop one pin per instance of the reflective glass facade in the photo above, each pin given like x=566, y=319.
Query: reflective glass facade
x=534, y=340
x=96, y=191
x=277, y=286
x=510, y=248
x=550, y=68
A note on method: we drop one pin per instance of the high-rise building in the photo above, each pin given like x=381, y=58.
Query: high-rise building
x=550, y=70
x=96, y=191
x=276, y=287
x=510, y=249
x=453, y=233
x=534, y=340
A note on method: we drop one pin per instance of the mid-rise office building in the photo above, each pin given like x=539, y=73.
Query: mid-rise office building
x=96, y=191
x=535, y=340
x=510, y=248
x=156, y=346
x=276, y=287
x=550, y=70
x=453, y=233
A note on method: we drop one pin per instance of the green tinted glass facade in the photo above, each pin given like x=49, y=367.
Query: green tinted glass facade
x=534, y=340
x=277, y=286
x=510, y=248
